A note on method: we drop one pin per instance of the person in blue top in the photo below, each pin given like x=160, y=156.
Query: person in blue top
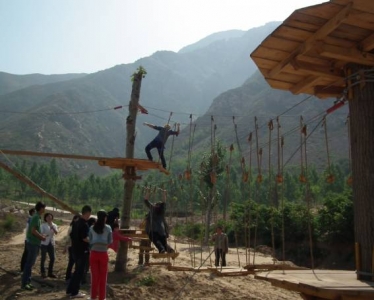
x=100, y=237
x=159, y=141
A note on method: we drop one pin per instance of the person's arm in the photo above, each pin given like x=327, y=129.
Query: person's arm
x=164, y=193
x=146, y=198
x=124, y=238
x=149, y=125
x=36, y=233
x=54, y=228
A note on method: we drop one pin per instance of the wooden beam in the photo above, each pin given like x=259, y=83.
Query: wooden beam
x=37, y=188
x=331, y=91
x=367, y=44
x=350, y=55
x=56, y=155
x=325, y=30
x=304, y=84
x=318, y=70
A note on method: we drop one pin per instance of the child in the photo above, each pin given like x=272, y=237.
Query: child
x=221, y=246
x=117, y=237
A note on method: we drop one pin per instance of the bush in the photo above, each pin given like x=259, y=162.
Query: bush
x=9, y=222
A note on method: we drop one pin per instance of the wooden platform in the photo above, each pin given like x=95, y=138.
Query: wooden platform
x=322, y=284
x=272, y=267
x=165, y=255
x=307, y=53
x=192, y=269
x=229, y=271
x=138, y=164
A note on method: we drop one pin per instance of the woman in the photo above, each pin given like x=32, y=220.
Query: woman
x=68, y=249
x=100, y=237
x=49, y=229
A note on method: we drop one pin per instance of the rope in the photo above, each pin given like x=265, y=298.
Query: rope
x=324, y=124
x=271, y=199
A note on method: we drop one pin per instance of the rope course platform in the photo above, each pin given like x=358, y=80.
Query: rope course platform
x=321, y=284
x=128, y=165
x=229, y=271
x=272, y=267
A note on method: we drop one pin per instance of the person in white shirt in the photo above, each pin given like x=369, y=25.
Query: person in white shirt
x=49, y=229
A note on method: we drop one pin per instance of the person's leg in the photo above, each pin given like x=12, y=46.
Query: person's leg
x=141, y=253
x=75, y=281
x=155, y=238
x=51, y=254
x=95, y=273
x=70, y=265
x=103, y=274
x=216, y=261
x=162, y=157
x=43, y=250
x=148, y=149
x=32, y=254
x=24, y=257
x=223, y=254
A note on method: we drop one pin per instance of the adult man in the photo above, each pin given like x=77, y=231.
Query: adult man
x=80, y=248
x=24, y=254
x=34, y=238
x=156, y=226
x=159, y=141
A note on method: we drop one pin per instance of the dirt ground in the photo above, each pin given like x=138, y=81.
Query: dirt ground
x=145, y=282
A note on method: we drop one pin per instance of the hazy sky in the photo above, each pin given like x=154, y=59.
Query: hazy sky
x=75, y=36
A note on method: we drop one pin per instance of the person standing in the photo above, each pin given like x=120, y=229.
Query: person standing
x=156, y=226
x=24, y=254
x=68, y=249
x=160, y=140
x=113, y=217
x=49, y=229
x=100, y=237
x=221, y=246
x=34, y=238
x=80, y=247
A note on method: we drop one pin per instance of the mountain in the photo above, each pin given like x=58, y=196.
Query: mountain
x=10, y=83
x=255, y=98
x=77, y=115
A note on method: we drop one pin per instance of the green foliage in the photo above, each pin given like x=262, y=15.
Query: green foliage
x=139, y=72
x=8, y=223
x=191, y=230
x=147, y=281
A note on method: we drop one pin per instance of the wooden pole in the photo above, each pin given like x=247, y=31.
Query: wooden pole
x=37, y=188
x=358, y=259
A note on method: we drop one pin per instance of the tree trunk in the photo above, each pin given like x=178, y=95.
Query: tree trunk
x=208, y=214
x=362, y=149
x=121, y=260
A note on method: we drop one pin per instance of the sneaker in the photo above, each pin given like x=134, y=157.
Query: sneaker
x=27, y=287
x=79, y=295
x=52, y=275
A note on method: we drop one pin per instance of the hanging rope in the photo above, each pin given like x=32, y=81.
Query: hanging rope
x=172, y=146
x=330, y=177
x=348, y=123
x=307, y=197
x=271, y=199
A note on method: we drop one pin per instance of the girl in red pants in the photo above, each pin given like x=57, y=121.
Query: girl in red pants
x=100, y=236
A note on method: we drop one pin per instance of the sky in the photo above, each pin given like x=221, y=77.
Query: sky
x=86, y=36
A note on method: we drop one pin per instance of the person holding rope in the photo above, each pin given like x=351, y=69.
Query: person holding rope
x=156, y=226
x=160, y=140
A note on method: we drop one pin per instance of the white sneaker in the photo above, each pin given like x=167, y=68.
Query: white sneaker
x=79, y=295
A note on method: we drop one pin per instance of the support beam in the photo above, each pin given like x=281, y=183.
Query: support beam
x=37, y=188
x=318, y=70
x=350, y=55
x=367, y=44
x=324, y=92
x=325, y=30
x=304, y=84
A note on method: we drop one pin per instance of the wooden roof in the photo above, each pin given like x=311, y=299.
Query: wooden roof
x=308, y=52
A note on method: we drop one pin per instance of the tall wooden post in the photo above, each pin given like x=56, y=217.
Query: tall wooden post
x=361, y=108
x=137, y=77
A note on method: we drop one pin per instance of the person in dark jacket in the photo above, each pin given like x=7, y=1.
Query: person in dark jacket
x=113, y=217
x=160, y=140
x=156, y=226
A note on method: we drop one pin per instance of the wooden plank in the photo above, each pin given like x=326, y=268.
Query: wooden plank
x=271, y=54
x=352, y=33
x=328, y=91
x=279, y=44
x=158, y=264
x=368, y=43
x=292, y=34
x=264, y=63
x=165, y=255
x=348, y=55
x=325, y=284
x=26, y=180
x=304, y=84
x=362, y=5
x=325, y=30
x=318, y=70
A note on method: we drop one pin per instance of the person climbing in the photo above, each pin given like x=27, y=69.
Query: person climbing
x=160, y=140
x=156, y=226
